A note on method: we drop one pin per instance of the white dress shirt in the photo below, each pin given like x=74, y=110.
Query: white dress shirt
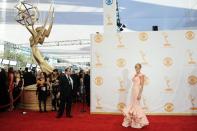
x=69, y=78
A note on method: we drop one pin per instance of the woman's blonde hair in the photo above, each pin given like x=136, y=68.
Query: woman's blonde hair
x=138, y=64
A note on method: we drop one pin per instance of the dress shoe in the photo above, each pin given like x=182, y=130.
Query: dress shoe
x=69, y=116
x=58, y=116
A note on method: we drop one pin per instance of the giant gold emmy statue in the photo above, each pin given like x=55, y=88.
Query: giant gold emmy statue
x=28, y=15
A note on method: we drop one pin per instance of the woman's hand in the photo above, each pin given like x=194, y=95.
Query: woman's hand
x=58, y=95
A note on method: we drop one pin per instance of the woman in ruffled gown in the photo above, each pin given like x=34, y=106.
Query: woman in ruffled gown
x=134, y=116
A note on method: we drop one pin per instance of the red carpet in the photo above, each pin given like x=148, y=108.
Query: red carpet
x=35, y=121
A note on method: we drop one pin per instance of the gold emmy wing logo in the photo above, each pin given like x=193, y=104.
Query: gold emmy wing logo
x=143, y=56
x=98, y=38
x=121, y=106
x=98, y=103
x=143, y=36
x=120, y=44
x=193, y=102
x=146, y=80
x=192, y=80
x=169, y=107
x=122, y=85
x=168, y=89
x=166, y=43
x=98, y=61
x=98, y=81
x=109, y=20
x=190, y=35
x=121, y=62
x=191, y=59
x=168, y=61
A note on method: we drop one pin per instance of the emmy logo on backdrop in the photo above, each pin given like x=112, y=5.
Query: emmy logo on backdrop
x=193, y=102
x=109, y=20
x=98, y=103
x=98, y=38
x=120, y=38
x=166, y=43
x=169, y=107
x=192, y=80
x=167, y=61
x=121, y=62
x=98, y=61
x=122, y=85
x=191, y=59
x=98, y=81
x=143, y=36
x=109, y=2
x=143, y=56
x=145, y=105
x=168, y=89
x=121, y=106
x=189, y=35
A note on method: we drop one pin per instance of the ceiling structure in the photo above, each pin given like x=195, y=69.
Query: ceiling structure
x=75, y=20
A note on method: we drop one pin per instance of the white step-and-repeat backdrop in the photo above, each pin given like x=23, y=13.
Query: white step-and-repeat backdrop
x=169, y=62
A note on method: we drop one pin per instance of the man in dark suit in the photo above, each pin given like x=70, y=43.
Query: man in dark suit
x=76, y=85
x=66, y=89
x=87, y=87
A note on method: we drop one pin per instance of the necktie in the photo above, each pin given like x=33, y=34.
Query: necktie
x=69, y=80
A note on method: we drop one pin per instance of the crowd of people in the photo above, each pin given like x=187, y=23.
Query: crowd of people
x=54, y=85
x=11, y=83
x=68, y=87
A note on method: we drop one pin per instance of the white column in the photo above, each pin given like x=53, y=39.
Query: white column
x=109, y=16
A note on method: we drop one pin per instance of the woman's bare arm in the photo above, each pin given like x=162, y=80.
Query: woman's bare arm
x=141, y=87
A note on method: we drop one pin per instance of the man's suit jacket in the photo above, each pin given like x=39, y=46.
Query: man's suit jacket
x=87, y=82
x=65, y=87
x=76, y=82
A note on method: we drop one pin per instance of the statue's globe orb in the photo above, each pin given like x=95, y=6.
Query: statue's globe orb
x=26, y=13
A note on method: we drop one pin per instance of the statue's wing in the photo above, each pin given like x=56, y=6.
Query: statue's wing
x=49, y=16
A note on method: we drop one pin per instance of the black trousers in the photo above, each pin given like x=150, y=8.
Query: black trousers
x=88, y=98
x=42, y=97
x=55, y=100
x=68, y=101
x=40, y=103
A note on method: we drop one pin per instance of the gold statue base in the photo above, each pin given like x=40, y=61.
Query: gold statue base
x=29, y=99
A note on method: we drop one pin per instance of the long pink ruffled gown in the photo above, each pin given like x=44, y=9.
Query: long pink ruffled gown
x=134, y=116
